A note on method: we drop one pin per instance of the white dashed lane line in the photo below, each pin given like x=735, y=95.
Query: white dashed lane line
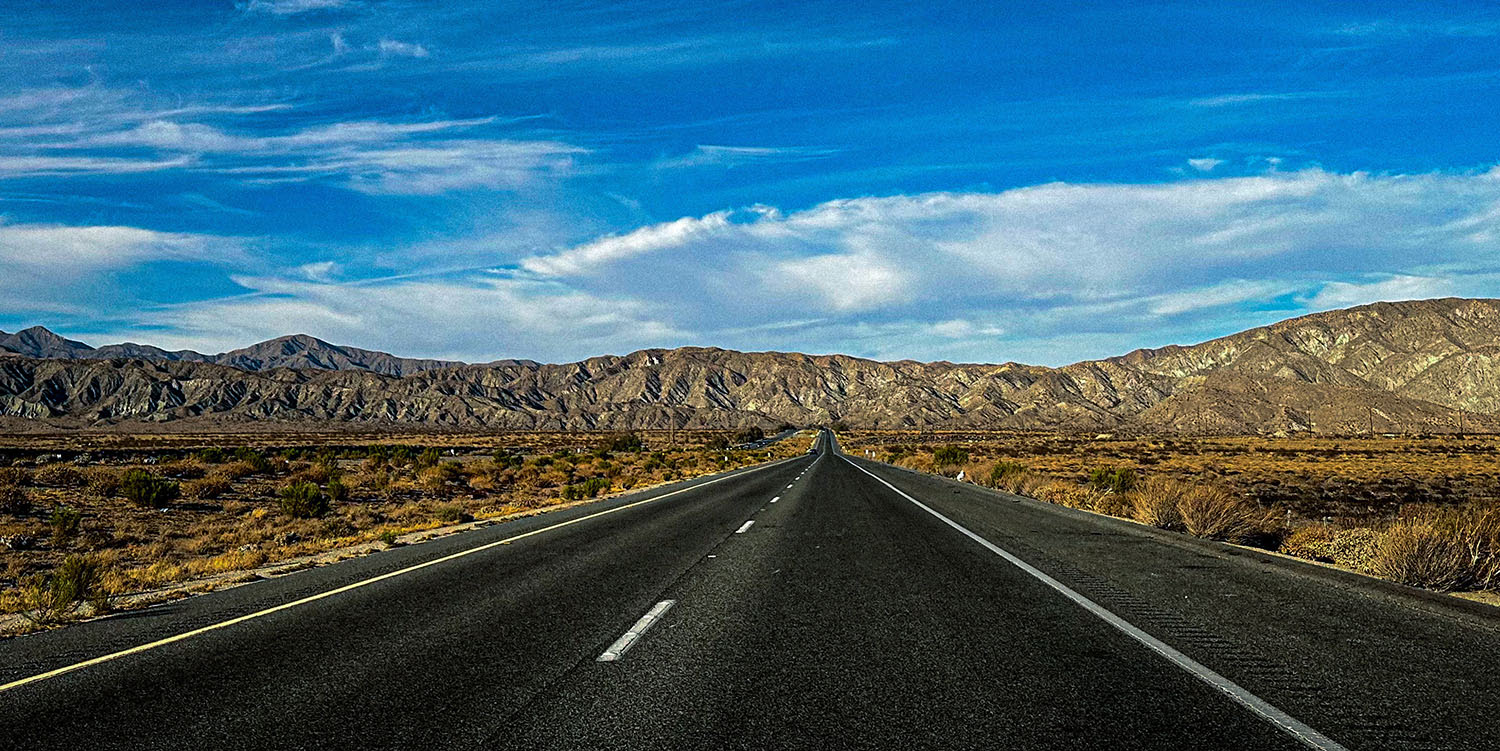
x=744, y=527
x=629, y=638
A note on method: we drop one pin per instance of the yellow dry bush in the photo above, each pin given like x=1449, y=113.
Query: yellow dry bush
x=1155, y=502
x=1112, y=504
x=1214, y=513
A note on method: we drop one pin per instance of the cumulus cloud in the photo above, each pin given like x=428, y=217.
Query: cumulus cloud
x=1049, y=259
x=1051, y=273
x=476, y=318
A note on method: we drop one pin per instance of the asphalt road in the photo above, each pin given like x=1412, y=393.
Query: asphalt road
x=864, y=607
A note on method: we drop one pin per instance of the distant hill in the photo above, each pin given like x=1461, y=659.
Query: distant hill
x=1407, y=366
x=298, y=351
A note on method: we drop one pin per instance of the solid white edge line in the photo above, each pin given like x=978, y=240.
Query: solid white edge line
x=629, y=638
x=744, y=527
x=365, y=582
x=1234, y=691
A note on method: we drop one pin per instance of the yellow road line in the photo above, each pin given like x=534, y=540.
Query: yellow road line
x=363, y=583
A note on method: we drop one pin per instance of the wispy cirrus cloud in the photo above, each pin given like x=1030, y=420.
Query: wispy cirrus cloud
x=419, y=157
x=296, y=7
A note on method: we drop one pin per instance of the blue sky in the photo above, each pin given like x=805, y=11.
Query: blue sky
x=1041, y=182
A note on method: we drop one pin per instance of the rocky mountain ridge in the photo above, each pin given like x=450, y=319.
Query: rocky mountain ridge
x=1389, y=367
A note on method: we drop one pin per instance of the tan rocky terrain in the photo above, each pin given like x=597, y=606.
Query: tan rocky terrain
x=1425, y=365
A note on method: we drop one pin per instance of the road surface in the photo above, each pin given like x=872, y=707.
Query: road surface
x=823, y=602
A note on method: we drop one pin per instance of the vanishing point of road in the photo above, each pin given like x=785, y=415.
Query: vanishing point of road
x=821, y=602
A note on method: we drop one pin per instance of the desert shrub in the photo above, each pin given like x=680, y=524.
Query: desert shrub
x=14, y=501
x=79, y=579
x=1425, y=546
x=1021, y=483
x=452, y=513
x=428, y=458
x=1065, y=494
x=507, y=459
x=1112, y=479
x=57, y=476
x=236, y=470
x=337, y=491
x=317, y=474
x=1353, y=547
x=1214, y=513
x=212, y=455
x=14, y=476
x=146, y=490
x=182, y=470
x=1112, y=504
x=255, y=461
x=303, y=500
x=949, y=456
x=1004, y=470
x=1420, y=553
x=589, y=488
x=65, y=521
x=388, y=537
x=102, y=482
x=1155, y=501
x=208, y=488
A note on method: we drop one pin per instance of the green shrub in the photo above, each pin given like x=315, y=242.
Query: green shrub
x=79, y=579
x=337, y=491
x=1113, y=479
x=429, y=458
x=949, y=456
x=389, y=538
x=507, y=459
x=303, y=500
x=254, y=460
x=1004, y=470
x=211, y=455
x=590, y=488
x=65, y=521
x=147, y=490
x=626, y=443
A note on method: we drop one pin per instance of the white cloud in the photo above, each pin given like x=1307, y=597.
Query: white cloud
x=59, y=248
x=294, y=7
x=421, y=157
x=1400, y=287
x=476, y=319
x=52, y=268
x=1052, y=260
x=393, y=48
x=734, y=156
x=1205, y=164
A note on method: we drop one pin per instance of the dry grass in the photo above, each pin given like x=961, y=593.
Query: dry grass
x=1421, y=510
x=1215, y=513
x=1155, y=502
x=228, y=518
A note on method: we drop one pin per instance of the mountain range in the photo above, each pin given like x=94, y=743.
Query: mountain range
x=1425, y=365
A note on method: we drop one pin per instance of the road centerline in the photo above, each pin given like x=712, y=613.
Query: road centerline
x=630, y=637
x=1270, y=713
